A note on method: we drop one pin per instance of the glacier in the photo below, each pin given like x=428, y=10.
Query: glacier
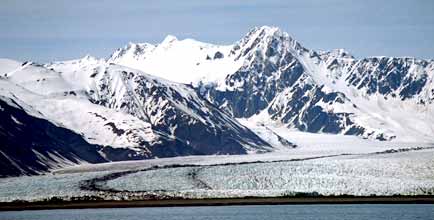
x=263, y=116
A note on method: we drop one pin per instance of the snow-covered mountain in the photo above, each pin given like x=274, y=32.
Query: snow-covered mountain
x=270, y=77
x=184, y=97
x=124, y=113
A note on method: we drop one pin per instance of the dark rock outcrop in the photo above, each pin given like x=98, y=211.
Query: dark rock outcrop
x=30, y=145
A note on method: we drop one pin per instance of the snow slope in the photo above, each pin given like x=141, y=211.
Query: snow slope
x=132, y=115
x=190, y=60
x=30, y=144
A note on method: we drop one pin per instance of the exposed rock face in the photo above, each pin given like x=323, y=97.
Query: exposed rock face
x=218, y=55
x=304, y=88
x=176, y=110
x=395, y=77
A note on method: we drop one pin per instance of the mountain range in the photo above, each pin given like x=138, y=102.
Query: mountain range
x=185, y=97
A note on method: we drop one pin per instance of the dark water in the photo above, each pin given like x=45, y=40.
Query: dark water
x=293, y=212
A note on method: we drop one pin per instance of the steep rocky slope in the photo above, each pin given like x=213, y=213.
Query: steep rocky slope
x=271, y=73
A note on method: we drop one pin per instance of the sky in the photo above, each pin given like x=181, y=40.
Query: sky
x=50, y=30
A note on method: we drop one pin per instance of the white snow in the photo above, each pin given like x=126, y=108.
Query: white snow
x=51, y=99
x=8, y=66
x=183, y=61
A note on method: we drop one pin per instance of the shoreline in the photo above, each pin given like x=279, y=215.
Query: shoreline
x=50, y=205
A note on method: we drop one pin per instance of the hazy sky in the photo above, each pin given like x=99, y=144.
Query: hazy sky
x=57, y=30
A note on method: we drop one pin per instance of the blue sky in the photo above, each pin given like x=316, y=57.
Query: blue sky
x=58, y=29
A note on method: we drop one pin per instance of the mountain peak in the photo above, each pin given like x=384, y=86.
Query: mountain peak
x=88, y=57
x=169, y=39
x=135, y=49
x=265, y=32
x=267, y=29
x=270, y=40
